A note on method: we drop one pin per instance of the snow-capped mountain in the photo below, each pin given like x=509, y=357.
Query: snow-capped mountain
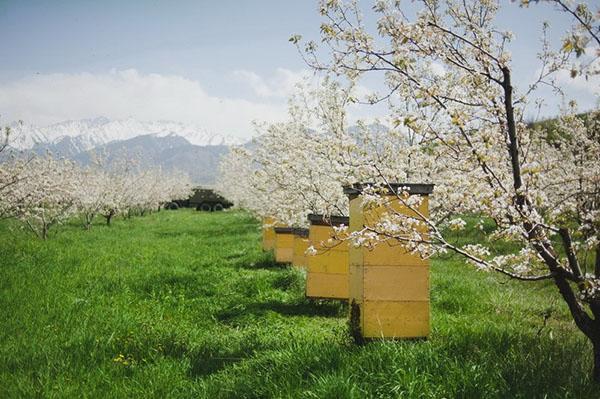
x=168, y=144
x=170, y=152
x=85, y=134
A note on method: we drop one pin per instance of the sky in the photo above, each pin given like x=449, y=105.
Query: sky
x=218, y=64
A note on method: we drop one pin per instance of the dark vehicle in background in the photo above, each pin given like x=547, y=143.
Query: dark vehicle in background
x=203, y=199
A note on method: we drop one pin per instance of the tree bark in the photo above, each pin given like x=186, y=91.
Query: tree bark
x=109, y=217
x=584, y=322
x=88, y=221
x=596, y=372
x=513, y=143
x=597, y=265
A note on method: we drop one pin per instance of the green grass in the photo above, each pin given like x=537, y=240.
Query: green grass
x=185, y=304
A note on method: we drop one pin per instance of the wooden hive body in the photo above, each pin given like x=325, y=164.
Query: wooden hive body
x=389, y=286
x=268, y=234
x=300, y=246
x=284, y=244
x=327, y=270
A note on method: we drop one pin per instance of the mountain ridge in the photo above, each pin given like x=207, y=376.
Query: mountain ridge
x=170, y=152
x=92, y=132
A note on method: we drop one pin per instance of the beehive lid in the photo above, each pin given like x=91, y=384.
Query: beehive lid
x=323, y=220
x=284, y=230
x=392, y=188
x=300, y=232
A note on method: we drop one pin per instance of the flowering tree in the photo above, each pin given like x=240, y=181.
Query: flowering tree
x=44, y=194
x=235, y=181
x=129, y=190
x=10, y=170
x=92, y=194
x=174, y=185
x=44, y=191
x=292, y=167
x=155, y=188
x=5, y=137
x=450, y=83
x=10, y=176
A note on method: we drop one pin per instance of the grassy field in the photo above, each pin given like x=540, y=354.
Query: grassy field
x=185, y=304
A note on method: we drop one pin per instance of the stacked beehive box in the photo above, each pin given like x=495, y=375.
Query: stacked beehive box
x=284, y=244
x=389, y=287
x=268, y=233
x=327, y=269
x=301, y=244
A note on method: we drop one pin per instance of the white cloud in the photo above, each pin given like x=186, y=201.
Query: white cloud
x=118, y=94
x=589, y=86
x=585, y=90
x=280, y=85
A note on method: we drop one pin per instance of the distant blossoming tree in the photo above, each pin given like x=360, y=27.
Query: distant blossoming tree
x=42, y=191
x=290, y=170
x=44, y=195
x=10, y=169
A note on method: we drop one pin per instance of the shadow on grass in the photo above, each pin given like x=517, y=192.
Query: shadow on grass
x=268, y=263
x=204, y=363
x=494, y=363
x=308, y=308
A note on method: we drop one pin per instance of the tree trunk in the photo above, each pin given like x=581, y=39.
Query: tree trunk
x=108, y=218
x=597, y=266
x=88, y=221
x=596, y=372
x=584, y=322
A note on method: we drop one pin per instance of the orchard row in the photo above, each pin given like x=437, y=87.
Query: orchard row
x=42, y=191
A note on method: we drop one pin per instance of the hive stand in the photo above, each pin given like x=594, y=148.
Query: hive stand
x=327, y=270
x=389, y=287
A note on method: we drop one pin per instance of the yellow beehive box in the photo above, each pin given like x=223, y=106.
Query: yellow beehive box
x=327, y=269
x=300, y=247
x=389, y=286
x=268, y=233
x=284, y=244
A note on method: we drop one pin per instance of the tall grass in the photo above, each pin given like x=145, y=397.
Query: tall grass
x=185, y=304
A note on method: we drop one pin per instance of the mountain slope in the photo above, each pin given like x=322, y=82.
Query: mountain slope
x=170, y=152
